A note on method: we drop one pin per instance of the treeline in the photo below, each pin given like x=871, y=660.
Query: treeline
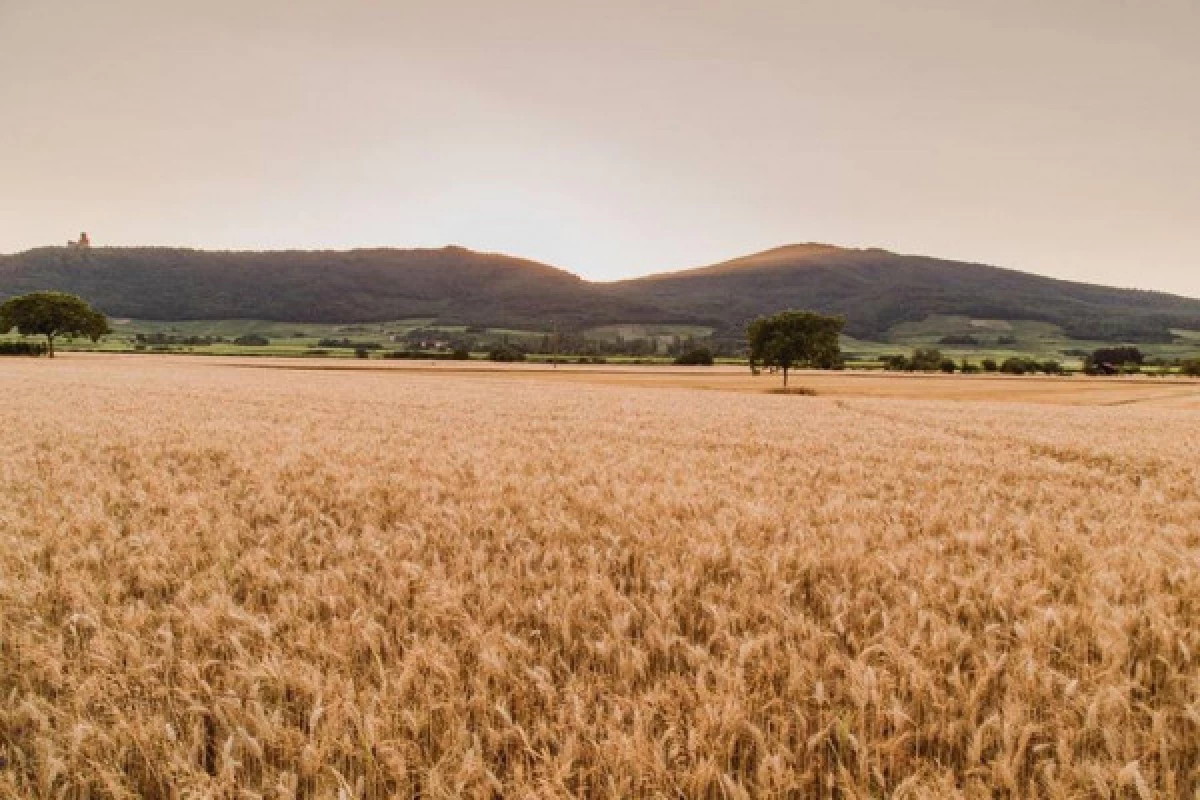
x=571, y=344
x=167, y=339
x=349, y=344
x=929, y=359
x=1123, y=360
x=453, y=355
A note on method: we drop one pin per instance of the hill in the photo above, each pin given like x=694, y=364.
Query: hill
x=451, y=284
x=875, y=289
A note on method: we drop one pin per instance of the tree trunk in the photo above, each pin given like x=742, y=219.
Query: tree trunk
x=785, y=377
x=50, y=345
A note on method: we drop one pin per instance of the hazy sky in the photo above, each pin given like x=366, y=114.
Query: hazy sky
x=613, y=138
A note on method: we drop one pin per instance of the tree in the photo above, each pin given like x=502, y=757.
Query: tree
x=1111, y=360
x=792, y=338
x=1119, y=355
x=52, y=314
x=926, y=359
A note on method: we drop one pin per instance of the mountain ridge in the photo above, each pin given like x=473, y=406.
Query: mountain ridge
x=874, y=288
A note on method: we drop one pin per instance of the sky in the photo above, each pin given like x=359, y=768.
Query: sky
x=613, y=138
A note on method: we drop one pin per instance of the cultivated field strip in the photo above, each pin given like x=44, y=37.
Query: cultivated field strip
x=225, y=582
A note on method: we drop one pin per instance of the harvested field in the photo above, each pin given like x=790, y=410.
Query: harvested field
x=244, y=579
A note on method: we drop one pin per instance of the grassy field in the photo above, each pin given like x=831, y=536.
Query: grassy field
x=240, y=578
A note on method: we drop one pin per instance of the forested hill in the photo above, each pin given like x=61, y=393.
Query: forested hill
x=451, y=284
x=874, y=289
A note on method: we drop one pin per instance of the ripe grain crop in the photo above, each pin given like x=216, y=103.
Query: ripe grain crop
x=220, y=582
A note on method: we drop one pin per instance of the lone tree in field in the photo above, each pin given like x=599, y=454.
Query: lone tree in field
x=795, y=338
x=52, y=314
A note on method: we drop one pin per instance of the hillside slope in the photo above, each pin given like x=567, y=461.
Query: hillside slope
x=874, y=289
x=452, y=284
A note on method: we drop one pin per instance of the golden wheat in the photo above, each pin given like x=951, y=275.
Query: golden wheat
x=220, y=582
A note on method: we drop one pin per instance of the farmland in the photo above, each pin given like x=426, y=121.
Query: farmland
x=959, y=337
x=389, y=580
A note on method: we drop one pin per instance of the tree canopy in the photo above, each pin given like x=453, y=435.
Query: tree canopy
x=795, y=338
x=52, y=314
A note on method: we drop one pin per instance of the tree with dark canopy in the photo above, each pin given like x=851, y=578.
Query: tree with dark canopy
x=795, y=338
x=52, y=314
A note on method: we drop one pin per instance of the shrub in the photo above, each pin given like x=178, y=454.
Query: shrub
x=989, y=365
x=947, y=366
x=895, y=363
x=252, y=340
x=1190, y=367
x=460, y=354
x=967, y=368
x=1051, y=367
x=361, y=352
x=699, y=357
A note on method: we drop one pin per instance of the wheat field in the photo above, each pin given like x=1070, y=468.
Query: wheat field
x=252, y=583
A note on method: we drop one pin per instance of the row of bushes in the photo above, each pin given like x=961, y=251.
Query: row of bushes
x=698, y=357
x=22, y=349
x=349, y=344
x=506, y=354
x=932, y=360
x=1023, y=366
x=456, y=355
x=576, y=360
